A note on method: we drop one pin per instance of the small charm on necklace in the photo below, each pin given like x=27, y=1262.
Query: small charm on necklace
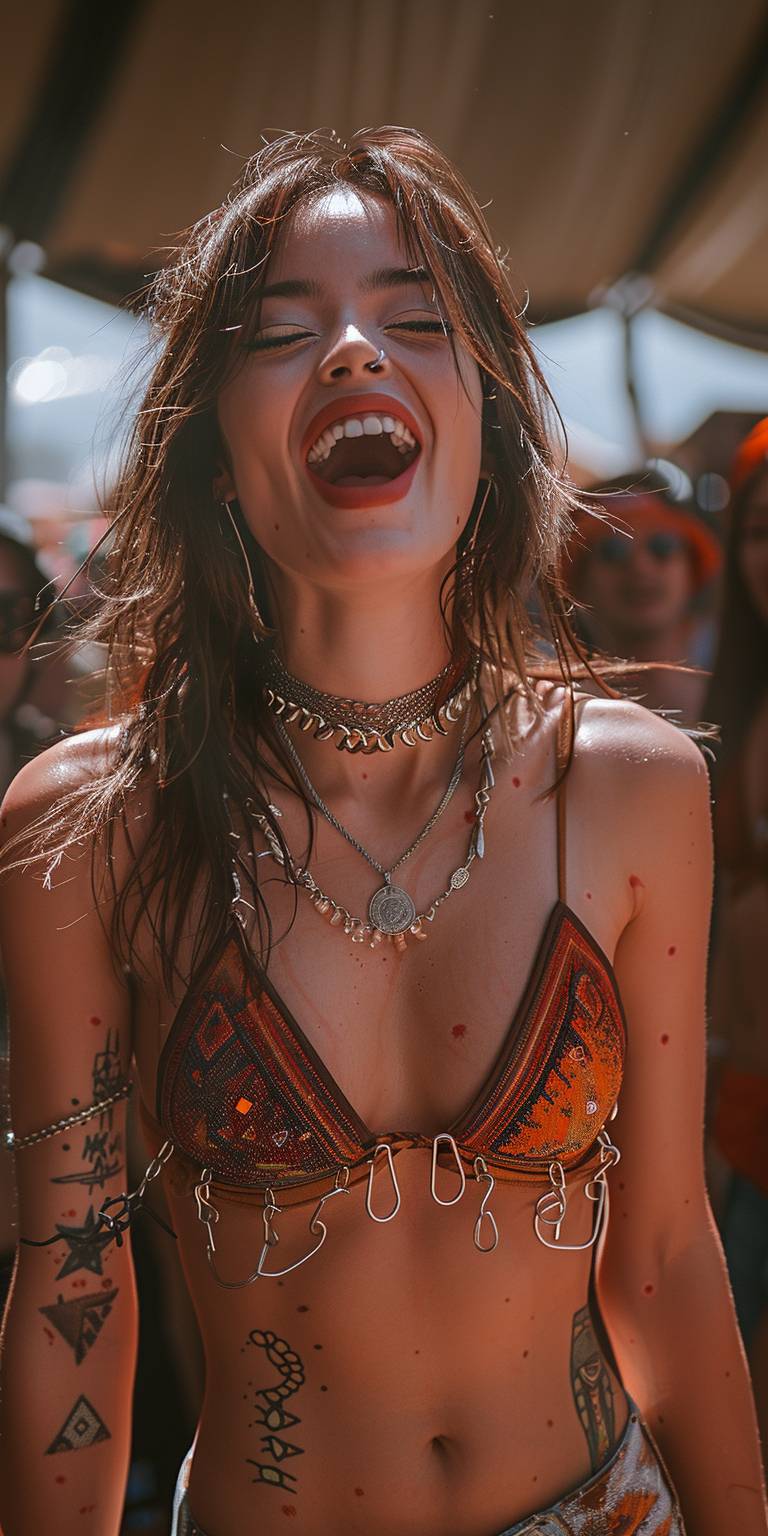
x=391, y=910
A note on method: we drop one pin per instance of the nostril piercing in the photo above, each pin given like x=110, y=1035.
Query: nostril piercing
x=376, y=365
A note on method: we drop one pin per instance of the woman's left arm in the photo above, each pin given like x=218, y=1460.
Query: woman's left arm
x=661, y=1278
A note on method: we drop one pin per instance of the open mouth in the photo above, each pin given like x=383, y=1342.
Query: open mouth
x=363, y=450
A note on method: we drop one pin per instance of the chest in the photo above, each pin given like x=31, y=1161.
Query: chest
x=410, y=1039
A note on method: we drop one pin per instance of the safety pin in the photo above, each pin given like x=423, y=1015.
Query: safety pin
x=482, y=1172
x=382, y=1146
x=316, y=1227
x=596, y=1190
x=208, y=1214
x=555, y=1199
x=444, y=1136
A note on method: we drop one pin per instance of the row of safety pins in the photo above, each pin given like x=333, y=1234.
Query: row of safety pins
x=209, y=1215
x=550, y=1211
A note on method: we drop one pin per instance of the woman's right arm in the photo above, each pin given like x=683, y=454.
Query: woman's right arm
x=68, y=1349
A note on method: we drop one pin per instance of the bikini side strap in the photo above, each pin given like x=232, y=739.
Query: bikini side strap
x=563, y=739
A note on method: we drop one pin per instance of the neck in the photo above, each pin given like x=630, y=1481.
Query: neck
x=369, y=645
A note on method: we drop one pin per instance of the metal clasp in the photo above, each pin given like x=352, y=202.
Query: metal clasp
x=551, y=1207
x=444, y=1136
x=382, y=1146
x=316, y=1227
x=208, y=1214
x=482, y=1172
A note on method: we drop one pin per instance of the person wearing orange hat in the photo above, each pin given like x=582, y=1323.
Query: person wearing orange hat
x=638, y=564
x=738, y=702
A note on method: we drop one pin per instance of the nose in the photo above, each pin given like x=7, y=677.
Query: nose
x=353, y=357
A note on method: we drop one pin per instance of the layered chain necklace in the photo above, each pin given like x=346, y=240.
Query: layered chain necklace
x=392, y=913
x=355, y=726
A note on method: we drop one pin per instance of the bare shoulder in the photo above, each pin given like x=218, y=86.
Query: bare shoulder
x=622, y=744
x=68, y=764
x=71, y=764
x=640, y=792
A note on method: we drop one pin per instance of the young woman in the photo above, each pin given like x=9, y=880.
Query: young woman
x=738, y=701
x=333, y=738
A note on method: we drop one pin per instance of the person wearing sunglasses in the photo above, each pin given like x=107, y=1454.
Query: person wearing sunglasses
x=640, y=569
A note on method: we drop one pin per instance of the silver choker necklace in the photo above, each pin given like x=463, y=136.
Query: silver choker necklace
x=355, y=726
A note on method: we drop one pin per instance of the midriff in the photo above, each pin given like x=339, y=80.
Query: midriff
x=430, y=1384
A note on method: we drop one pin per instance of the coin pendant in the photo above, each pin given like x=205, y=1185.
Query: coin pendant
x=391, y=910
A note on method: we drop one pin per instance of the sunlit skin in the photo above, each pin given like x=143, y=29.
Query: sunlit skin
x=435, y=1396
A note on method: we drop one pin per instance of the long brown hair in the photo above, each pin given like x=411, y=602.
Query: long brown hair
x=174, y=618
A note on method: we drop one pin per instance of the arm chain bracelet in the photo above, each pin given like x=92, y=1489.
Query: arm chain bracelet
x=14, y=1143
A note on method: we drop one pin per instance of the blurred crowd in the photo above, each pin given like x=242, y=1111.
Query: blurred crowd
x=656, y=580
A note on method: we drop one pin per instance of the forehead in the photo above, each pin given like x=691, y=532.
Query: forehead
x=340, y=229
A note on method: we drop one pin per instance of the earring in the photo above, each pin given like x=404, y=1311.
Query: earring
x=260, y=629
x=472, y=540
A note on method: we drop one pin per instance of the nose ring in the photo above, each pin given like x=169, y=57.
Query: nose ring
x=375, y=366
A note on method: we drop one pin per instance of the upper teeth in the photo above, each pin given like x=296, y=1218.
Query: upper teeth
x=359, y=426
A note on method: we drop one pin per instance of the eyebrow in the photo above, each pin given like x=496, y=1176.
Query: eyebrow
x=383, y=277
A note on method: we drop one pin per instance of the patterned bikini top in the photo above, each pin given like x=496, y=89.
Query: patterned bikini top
x=244, y=1096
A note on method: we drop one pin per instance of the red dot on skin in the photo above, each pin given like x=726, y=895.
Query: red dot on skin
x=665, y=1039
x=516, y=781
x=61, y=1478
x=458, y=1031
x=550, y=1423
x=535, y=1479
x=672, y=949
x=70, y=1213
x=648, y=1289
x=469, y=816
x=622, y=1186
x=95, y=1018
x=361, y=1491
x=365, y=775
x=289, y=1509
x=106, y=1284
x=636, y=883
x=661, y=1418
x=727, y=1373
x=525, y=1354
x=302, y=1309
x=589, y=895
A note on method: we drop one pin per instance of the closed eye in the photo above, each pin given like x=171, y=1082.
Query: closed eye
x=269, y=343
x=431, y=327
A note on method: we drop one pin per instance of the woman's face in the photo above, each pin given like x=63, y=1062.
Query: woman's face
x=347, y=473
x=753, y=546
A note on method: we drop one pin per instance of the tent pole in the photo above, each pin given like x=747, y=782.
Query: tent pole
x=630, y=379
